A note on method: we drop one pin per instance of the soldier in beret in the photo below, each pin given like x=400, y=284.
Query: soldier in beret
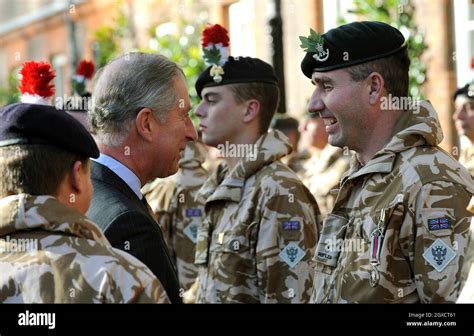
x=464, y=121
x=257, y=239
x=399, y=229
x=49, y=251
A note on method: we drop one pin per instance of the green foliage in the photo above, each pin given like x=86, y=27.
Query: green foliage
x=213, y=55
x=311, y=43
x=400, y=15
x=10, y=94
x=184, y=48
x=107, y=40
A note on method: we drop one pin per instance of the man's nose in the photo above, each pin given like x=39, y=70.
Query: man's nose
x=315, y=104
x=191, y=133
x=199, y=111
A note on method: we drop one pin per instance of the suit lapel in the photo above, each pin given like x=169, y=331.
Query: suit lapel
x=103, y=174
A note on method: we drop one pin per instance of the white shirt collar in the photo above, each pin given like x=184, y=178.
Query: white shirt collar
x=122, y=171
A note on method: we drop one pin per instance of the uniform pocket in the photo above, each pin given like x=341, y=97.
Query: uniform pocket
x=202, y=243
x=330, y=241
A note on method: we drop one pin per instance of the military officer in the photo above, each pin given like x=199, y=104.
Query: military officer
x=464, y=121
x=260, y=228
x=179, y=213
x=49, y=251
x=399, y=227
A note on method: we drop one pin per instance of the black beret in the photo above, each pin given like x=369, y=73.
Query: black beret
x=42, y=124
x=239, y=70
x=467, y=90
x=352, y=44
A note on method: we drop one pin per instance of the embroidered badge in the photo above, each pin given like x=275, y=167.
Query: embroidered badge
x=191, y=231
x=439, y=255
x=193, y=212
x=292, y=254
x=291, y=225
x=435, y=224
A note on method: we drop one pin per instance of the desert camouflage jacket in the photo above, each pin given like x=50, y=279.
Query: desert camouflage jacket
x=179, y=213
x=259, y=233
x=49, y=253
x=399, y=228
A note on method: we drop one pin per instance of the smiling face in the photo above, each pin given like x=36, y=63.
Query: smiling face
x=220, y=115
x=173, y=134
x=342, y=104
x=464, y=116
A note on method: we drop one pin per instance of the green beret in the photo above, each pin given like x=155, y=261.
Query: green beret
x=348, y=45
x=43, y=124
x=239, y=70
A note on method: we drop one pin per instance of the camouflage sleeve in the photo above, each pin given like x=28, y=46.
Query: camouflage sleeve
x=440, y=240
x=153, y=292
x=131, y=281
x=286, y=241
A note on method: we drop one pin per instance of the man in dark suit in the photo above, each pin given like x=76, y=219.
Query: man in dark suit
x=140, y=118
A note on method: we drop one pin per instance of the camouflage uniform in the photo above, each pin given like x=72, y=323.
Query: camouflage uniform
x=415, y=195
x=322, y=174
x=49, y=253
x=467, y=293
x=179, y=213
x=467, y=158
x=259, y=233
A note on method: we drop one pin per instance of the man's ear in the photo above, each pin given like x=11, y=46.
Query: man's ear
x=376, y=87
x=252, y=110
x=145, y=121
x=77, y=176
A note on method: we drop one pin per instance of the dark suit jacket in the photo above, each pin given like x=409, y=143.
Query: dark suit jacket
x=128, y=225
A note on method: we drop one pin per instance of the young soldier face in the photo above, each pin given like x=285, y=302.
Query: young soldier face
x=464, y=116
x=340, y=102
x=220, y=116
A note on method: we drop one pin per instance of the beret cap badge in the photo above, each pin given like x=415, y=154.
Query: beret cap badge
x=215, y=44
x=314, y=43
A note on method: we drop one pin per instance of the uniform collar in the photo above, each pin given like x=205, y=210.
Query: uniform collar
x=26, y=212
x=228, y=186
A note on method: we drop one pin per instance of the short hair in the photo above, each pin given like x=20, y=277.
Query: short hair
x=394, y=70
x=125, y=86
x=34, y=169
x=268, y=96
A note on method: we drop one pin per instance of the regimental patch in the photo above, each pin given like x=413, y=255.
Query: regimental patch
x=435, y=224
x=292, y=254
x=193, y=212
x=191, y=231
x=439, y=255
x=291, y=225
